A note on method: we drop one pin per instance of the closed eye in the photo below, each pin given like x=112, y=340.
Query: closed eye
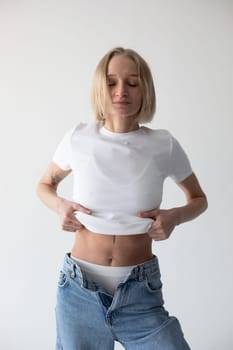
x=129, y=84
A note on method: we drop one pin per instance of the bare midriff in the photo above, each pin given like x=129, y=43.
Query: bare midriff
x=112, y=250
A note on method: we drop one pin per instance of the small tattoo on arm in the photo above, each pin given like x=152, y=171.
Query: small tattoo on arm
x=55, y=179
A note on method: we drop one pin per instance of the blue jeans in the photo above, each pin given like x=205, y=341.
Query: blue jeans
x=89, y=318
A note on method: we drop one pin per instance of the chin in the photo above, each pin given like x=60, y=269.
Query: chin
x=121, y=114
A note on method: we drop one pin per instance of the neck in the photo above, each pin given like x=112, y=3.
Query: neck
x=121, y=124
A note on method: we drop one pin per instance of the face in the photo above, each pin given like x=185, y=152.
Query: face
x=123, y=86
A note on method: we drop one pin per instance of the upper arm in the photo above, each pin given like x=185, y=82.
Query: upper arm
x=53, y=175
x=191, y=187
x=179, y=166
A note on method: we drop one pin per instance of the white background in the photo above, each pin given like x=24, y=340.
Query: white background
x=49, y=50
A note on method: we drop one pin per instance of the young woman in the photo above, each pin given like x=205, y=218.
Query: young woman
x=109, y=287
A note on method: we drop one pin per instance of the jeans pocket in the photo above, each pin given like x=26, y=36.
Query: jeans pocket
x=153, y=282
x=63, y=279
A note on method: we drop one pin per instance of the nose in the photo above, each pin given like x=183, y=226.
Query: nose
x=121, y=90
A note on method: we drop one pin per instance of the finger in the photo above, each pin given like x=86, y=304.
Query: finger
x=68, y=228
x=157, y=236
x=149, y=214
x=155, y=232
x=72, y=228
x=70, y=220
x=71, y=223
x=81, y=208
x=74, y=225
x=73, y=219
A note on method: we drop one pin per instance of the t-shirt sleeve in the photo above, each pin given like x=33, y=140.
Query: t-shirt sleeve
x=179, y=164
x=63, y=154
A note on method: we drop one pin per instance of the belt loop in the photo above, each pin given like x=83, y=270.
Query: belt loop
x=141, y=274
x=73, y=273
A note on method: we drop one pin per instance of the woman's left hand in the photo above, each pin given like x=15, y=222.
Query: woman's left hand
x=164, y=223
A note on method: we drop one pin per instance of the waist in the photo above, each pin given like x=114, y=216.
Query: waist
x=112, y=250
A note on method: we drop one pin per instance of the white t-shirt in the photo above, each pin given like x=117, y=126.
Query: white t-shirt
x=118, y=175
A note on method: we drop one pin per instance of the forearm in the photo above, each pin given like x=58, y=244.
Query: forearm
x=191, y=210
x=48, y=195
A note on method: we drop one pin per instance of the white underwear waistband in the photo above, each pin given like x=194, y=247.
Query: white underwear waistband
x=107, y=277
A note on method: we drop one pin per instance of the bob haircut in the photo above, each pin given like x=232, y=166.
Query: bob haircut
x=100, y=96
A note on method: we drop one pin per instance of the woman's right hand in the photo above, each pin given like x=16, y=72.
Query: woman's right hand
x=47, y=191
x=66, y=210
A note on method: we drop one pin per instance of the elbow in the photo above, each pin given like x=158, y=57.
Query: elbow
x=38, y=189
x=203, y=203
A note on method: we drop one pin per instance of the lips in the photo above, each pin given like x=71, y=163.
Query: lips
x=121, y=102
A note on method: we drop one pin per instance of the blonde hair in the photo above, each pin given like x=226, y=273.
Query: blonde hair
x=100, y=95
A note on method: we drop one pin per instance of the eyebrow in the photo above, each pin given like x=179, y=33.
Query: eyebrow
x=131, y=75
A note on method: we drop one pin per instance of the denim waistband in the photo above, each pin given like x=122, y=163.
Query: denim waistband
x=139, y=272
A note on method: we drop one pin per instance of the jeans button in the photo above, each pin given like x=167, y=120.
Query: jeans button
x=72, y=274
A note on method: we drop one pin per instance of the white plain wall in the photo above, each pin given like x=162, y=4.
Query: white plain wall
x=49, y=50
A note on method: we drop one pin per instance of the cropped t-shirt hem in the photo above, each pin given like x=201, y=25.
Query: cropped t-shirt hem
x=108, y=227
x=115, y=232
